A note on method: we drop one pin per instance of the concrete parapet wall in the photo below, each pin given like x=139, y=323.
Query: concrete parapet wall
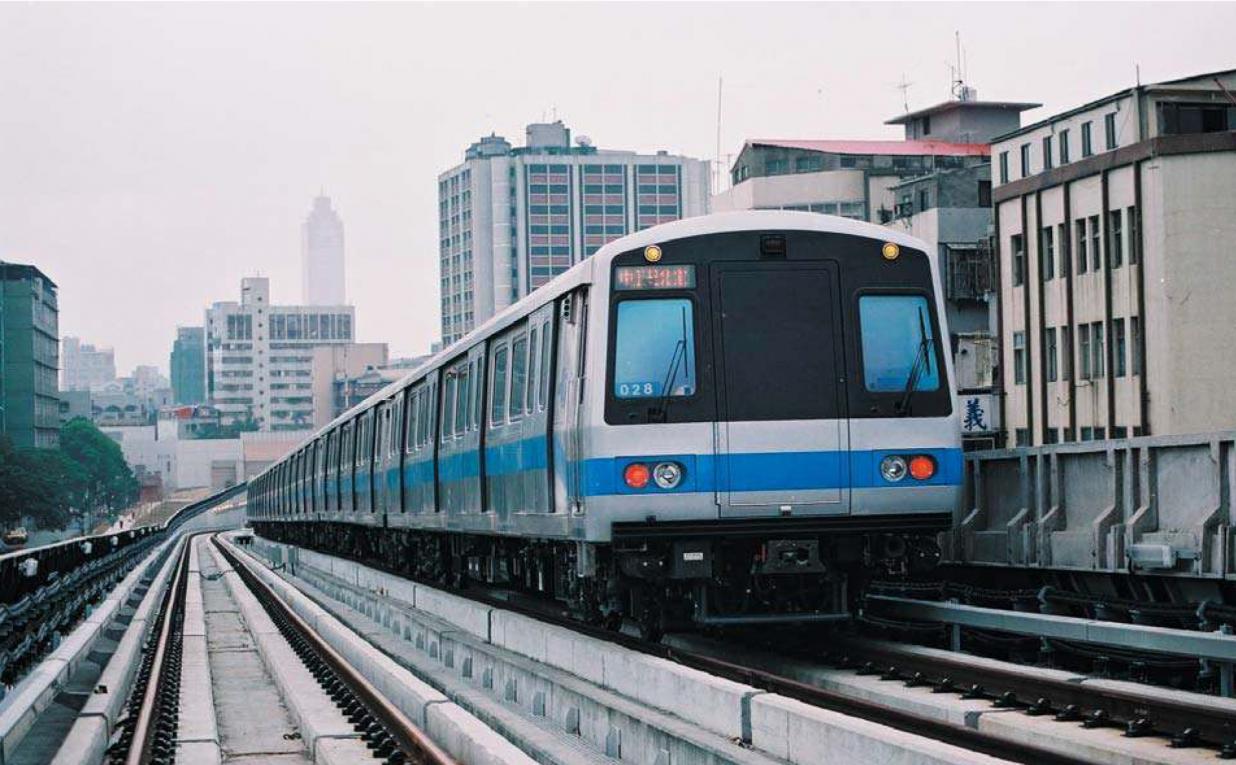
x=1156, y=505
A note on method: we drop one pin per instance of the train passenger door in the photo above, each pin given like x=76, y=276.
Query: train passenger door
x=781, y=440
x=535, y=444
x=567, y=366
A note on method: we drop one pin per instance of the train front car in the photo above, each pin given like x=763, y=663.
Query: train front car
x=777, y=417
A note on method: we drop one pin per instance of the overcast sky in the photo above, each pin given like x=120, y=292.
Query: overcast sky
x=152, y=155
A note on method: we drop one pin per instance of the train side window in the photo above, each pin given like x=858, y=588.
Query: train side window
x=478, y=387
x=409, y=423
x=448, y=407
x=534, y=369
x=422, y=418
x=519, y=377
x=465, y=403
x=897, y=341
x=497, y=390
x=543, y=398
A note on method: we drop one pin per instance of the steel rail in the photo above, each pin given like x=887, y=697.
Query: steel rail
x=411, y=740
x=1140, y=713
x=141, y=748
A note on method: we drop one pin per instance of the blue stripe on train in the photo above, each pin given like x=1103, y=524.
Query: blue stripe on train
x=757, y=471
x=771, y=471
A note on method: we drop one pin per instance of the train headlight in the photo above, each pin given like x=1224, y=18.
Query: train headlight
x=893, y=468
x=636, y=475
x=922, y=467
x=667, y=475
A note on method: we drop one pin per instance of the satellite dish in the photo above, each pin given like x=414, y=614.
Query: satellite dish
x=584, y=141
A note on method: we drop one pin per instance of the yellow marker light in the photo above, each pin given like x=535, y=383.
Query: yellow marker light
x=652, y=253
x=890, y=251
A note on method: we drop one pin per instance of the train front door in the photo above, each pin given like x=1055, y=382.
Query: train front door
x=781, y=437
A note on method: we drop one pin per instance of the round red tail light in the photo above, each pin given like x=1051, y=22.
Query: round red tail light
x=637, y=475
x=922, y=467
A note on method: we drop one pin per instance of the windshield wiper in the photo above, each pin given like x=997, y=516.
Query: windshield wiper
x=659, y=412
x=922, y=363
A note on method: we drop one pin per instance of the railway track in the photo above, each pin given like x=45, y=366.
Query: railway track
x=1138, y=711
x=150, y=732
x=750, y=674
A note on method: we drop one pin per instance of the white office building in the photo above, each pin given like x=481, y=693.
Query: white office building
x=512, y=218
x=259, y=357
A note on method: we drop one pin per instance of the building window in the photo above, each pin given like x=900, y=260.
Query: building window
x=1047, y=152
x=1118, y=350
x=1081, y=246
x=1096, y=346
x=1116, y=248
x=1019, y=358
x=1018, y=245
x=1180, y=118
x=1083, y=350
x=1064, y=147
x=1023, y=437
x=1049, y=346
x=1087, y=149
x=984, y=193
x=1053, y=436
x=1109, y=130
x=1087, y=434
x=1131, y=221
x=1095, y=260
x=1066, y=353
x=1004, y=167
x=1135, y=335
x=927, y=125
x=924, y=199
x=776, y=167
x=1047, y=254
x=1062, y=236
x=1025, y=160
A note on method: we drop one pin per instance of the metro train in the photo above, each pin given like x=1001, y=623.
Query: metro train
x=728, y=419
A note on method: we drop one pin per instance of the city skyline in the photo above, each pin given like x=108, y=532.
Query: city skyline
x=167, y=195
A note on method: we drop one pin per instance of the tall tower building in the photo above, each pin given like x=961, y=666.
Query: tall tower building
x=29, y=356
x=512, y=218
x=188, y=366
x=322, y=255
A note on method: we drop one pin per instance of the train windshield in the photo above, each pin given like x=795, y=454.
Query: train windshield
x=897, y=343
x=655, y=349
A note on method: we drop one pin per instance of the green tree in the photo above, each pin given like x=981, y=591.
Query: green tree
x=36, y=484
x=101, y=481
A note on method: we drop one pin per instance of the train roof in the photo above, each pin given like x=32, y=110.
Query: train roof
x=582, y=273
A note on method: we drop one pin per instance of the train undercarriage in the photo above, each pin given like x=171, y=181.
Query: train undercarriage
x=659, y=579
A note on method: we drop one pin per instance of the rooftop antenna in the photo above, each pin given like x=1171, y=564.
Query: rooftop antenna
x=959, y=80
x=904, y=87
x=717, y=167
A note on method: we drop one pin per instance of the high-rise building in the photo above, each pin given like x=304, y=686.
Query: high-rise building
x=322, y=280
x=259, y=357
x=85, y=366
x=188, y=366
x=512, y=218
x=29, y=357
x=1112, y=222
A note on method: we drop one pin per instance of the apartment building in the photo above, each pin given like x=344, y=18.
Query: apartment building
x=1112, y=228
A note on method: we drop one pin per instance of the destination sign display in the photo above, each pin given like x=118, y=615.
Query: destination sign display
x=681, y=277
